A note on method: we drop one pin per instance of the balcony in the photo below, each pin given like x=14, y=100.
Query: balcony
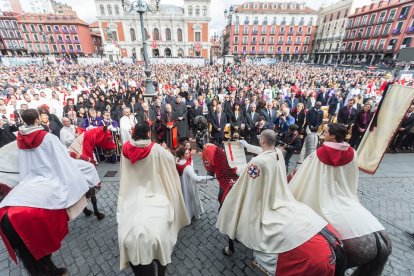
x=299, y=32
x=78, y=50
x=282, y=32
x=390, y=20
x=396, y=32
x=68, y=41
x=236, y=33
x=66, y=31
x=255, y=22
x=262, y=42
x=283, y=23
x=60, y=41
x=301, y=23
x=253, y=42
x=410, y=30
x=246, y=22
x=297, y=43
x=272, y=33
x=280, y=42
x=56, y=30
x=255, y=32
x=306, y=43
x=288, y=42
x=264, y=22
x=290, y=32
x=76, y=41
x=71, y=51
x=246, y=32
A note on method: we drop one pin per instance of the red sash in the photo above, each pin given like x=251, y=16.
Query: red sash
x=174, y=135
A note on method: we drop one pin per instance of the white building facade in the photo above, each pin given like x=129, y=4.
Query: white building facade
x=173, y=31
x=331, y=30
x=5, y=6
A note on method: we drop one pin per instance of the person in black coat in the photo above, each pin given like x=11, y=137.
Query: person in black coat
x=333, y=105
x=314, y=117
x=362, y=120
x=257, y=129
x=196, y=110
x=347, y=114
x=49, y=126
x=6, y=132
x=323, y=96
x=269, y=113
x=237, y=118
x=300, y=116
x=218, y=121
x=406, y=124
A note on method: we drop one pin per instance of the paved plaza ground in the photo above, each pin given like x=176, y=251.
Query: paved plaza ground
x=91, y=247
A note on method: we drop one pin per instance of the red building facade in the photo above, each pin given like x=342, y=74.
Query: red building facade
x=55, y=34
x=11, y=39
x=376, y=33
x=284, y=30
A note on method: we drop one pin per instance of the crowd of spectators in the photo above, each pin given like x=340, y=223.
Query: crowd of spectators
x=237, y=100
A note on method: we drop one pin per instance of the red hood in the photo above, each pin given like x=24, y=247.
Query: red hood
x=134, y=153
x=335, y=157
x=30, y=141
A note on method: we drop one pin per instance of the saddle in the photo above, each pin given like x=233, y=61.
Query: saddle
x=338, y=251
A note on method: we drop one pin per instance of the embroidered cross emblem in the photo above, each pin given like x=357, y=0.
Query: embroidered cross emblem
x=253, y=171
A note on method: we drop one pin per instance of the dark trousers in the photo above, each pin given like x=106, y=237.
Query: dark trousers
x=408, y=141
x=148, y=270
x=398, y=140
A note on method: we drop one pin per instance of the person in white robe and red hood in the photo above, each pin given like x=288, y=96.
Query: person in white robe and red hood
x=151, y=208
x=34, y=215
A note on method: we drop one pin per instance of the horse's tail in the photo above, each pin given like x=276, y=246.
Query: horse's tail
x=376, y=266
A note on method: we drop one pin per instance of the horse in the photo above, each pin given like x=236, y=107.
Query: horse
x=81, y=148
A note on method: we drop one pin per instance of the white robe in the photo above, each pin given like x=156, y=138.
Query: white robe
x=49, y=178
x=331, y=191
x=151, y=208
x=125, y=126
x=261, y=212
x=67, y=135
x=189, y=181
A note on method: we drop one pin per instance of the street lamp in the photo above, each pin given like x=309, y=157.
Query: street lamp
x=142, y=7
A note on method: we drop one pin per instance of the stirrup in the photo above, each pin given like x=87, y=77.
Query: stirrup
x=227, y=251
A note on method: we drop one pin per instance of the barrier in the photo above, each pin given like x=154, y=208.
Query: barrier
x=189, y=61
x=18, y=61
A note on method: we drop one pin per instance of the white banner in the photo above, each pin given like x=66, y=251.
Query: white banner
x=189, y=61
x=18, y=61
x=235, y=154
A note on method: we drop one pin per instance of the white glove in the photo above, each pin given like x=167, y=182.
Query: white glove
x=243, y=143
x=111, y=128
x=209, y=177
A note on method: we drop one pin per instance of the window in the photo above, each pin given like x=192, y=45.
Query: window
x=244, y=50
x=49, y=28
x=245, y=39
x=63, y=48
x=364, y=45
x=156, y=34
x=305, y=49
x=377, y=30
x=353, y=33
x=263, y=40
x=51, y=39
x=35, y=38
x=235, y=49
x=116, y=10
x=27, y=37
x=368, y=32
x=14, y=23
x=109, y=8
x=102, y=8
x=350, y=23
x=5, y=35
x=372, y=44
x=391, y=16
x=40, y=28
x=78, y=47
x=262, y=49
x=19, y=35
x=197, y=11
x=236, y=30
x=381, y=17
x=11, y=34
x=255, y=29
x=168, y=34
x=406, y=42
x=7, y=23
x=197, y=36
x=273, y=30
x=65, y=29
x=246, y=20
x=32, y=27
x=364, y=19
x=23, y=28
x=132, y=33
x=55, y=49
x=56, y=28
x=346, y=34
x=236, y=40
x=404, y=12
x=70, y=48
x=264, y=30
x=399, y=26
x=190, y=10
x=180, y=35
x=386, y=29
x=246, y=30
x=113, y=35
x=282, y=30
x=306, y=39
x=204, y=11
x=280, y=39
x=271, y=50
x=381, y=44
x=76, y=39
x=272, y=40
x=46, y=48
x=356, y=24
x=288, y=49
x=39, y=48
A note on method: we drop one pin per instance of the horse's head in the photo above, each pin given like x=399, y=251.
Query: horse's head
x=209, y=151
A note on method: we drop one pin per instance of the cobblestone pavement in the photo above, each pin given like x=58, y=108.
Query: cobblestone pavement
x=91, y=247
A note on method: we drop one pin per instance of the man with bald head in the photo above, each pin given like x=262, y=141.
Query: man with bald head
x=126, y=124
x=67, y=133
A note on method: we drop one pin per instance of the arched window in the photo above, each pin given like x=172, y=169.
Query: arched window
x=109, y=8
x=190, y=10
x=102, y=9
x=156, y=34
x=133, y=36
x=180, y=35
x=116, y=10
x=168, y=34
x=180, y=52
x=204, y=10
x=197, y=11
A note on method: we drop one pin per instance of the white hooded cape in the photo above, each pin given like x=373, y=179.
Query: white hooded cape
x=331, y=191
x=261, y=212
x=151, y=207
x=49, y=178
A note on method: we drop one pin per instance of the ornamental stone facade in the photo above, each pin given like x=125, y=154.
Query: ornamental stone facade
x=173, y=31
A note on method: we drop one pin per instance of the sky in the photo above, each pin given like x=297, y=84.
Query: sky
x=86, y=9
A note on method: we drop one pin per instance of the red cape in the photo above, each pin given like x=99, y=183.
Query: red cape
x=335, y=157
x=135, y=153
x=30, y=141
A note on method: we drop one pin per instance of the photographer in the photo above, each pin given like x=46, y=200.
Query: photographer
x=283, y=122
x=290, y=142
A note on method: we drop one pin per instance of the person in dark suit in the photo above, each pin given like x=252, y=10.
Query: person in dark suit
x=333, y=102
x=218, y=121
x=146, y=115
x=362, y=120
x=195, y=111
x=299, y=116
x=314, y=117
x=49, y=126
x=347, y=114
x=323, y=96
x=245, y=106
x=290, y=142
x=291, y=100
x=257, y=129
x=228, y=106
x=237, y=119
x=269, y=113
x=251, y=117
x=6, y=132
x=406, y=124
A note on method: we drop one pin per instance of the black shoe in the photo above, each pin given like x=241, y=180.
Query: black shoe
x=87, y=212
x=227, y=251
x=409, y=234
x=99, y=216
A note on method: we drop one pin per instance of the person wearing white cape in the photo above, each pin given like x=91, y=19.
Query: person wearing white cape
x=327, y=182
x=189, y=180
x=261, y=213
x=151, y=208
